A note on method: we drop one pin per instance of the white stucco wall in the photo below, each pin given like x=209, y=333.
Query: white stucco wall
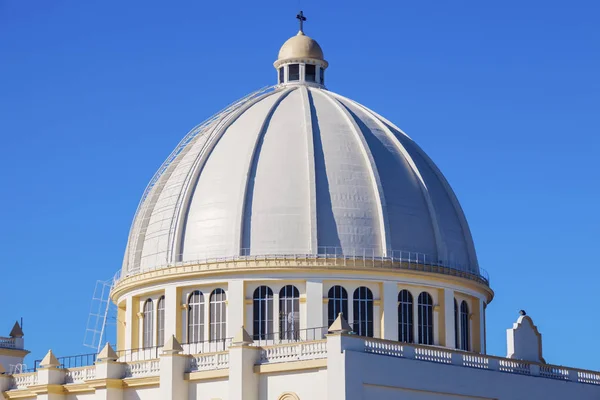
x=307, y=385
x=209, y=390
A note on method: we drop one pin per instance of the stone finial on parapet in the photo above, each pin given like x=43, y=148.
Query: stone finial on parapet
x=107, y=354
x=17, y=331
x=242, y=337
x=523, y=340
x=172, y=346
x=340, y=325
x=49, y=361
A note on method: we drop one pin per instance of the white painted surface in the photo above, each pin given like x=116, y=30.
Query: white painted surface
x=307, y=385
x=294, y=172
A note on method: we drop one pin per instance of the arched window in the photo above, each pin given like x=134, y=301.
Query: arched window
x=289, y=313
x=456, y=330
x=160, y=322
x=338, y=303
x=405, y=317
x=196, y=317
x=263, y=313
x=425, y=318
x=363, y=312
x=218, y=316
x=464, y=326
x=148, y=335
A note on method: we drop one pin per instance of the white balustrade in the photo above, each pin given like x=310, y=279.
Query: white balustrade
x=77, y=375
x=515, y=367
x=22, y=381
x=384, y=348
x=142, y=368
x=475, y=361
x=294, y=352
x=588, y=377
x=8, y=343
x=208, y=362
x=435, y=355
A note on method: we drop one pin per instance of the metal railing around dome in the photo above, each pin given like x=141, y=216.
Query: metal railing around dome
x=335, y=257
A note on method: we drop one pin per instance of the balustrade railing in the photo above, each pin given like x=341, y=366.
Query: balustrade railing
x=138, y=369
x=209, y=346
x=208, y=362
x=8, y=343
x=21, y=381
x=290, y=336
x=82, y=374
x=294, y=352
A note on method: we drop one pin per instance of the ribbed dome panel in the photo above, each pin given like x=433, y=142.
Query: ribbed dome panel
x=298, y=170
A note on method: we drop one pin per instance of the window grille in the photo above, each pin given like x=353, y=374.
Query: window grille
x=456, y=330
x=148, y=335
x=289, y=313
x=196, y=317
x=363, y=312
x=218, y=315
x=263, y=313
x=310, y=74
x=425, y=318
x=338, y=303
x=405, y=317
x=281, y=75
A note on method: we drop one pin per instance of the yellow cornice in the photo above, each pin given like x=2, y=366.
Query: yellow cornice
x=19, y=394
x=290, y=366
x=137, y=382
x=78, y=388
x=105, y=383
x=13, y=352
x=246, y=267
x=47, y=389
x=205, y=375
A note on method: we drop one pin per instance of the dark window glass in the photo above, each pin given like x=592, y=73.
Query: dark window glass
x=311, y=73
x=456, y=331
x=464, y=326
x=322, y=79
x=196, y=317
x=281, y=76
x=363, y=312
x=405, y=317
x=425, y=318
x=294, y=72
x=338, y=303
x=289, y=313
x=263, y=313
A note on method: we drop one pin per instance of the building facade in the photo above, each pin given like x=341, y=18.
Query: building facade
x=297, y=245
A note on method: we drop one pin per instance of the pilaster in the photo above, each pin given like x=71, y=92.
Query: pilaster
x=235, y=306
x=173, y=385
x=450, y=339
x=390, y=311
x=243, y=381
x=172, y=311
x=314, y=304
x=108, y=384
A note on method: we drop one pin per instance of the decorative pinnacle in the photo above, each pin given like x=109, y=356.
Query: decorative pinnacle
x=301, y=18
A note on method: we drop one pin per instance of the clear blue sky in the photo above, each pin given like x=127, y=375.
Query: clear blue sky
x=504, y=96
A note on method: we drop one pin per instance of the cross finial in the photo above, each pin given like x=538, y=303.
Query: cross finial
x=301, y=18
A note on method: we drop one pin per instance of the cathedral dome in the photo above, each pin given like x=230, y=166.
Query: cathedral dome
x=298, y=170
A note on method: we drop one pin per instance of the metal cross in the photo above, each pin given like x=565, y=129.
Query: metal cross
x=301, y=18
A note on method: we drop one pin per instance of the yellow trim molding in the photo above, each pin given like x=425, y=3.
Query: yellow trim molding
x=138, y=382
x=291, y=366
x=205, y=375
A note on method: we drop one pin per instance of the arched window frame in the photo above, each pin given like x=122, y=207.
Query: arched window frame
x=362, y=302
x=406, y=317
x=337, y=303
x=425, y=312
x=148, y=324
x=195, y=325
x=160, y=321
x=218, y=315
x=262, y=303
x=465, y=329
x=289, y=313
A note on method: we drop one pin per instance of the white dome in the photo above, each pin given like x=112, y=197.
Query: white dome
x=298, y=170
